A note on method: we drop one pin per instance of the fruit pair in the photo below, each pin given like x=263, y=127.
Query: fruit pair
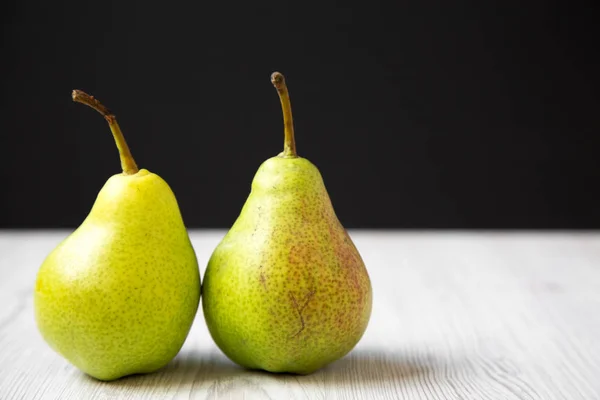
x=284, y=291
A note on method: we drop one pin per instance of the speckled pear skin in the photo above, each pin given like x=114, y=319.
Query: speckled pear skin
x=118, y=296
x=286, y=290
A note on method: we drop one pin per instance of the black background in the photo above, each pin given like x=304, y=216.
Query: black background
x=418, y=114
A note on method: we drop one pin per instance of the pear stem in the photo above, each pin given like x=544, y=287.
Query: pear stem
x=127, y=162
x=289, y=142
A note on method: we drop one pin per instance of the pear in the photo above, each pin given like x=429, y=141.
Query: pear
x=286, y=289
x=118, y=296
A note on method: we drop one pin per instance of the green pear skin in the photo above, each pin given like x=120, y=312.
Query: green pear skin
x=286, y=289
x=119, y=295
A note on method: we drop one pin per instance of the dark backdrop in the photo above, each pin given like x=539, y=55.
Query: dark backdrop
x=423, y=115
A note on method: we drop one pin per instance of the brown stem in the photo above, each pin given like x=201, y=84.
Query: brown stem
x=289, y=142
x=127, y=162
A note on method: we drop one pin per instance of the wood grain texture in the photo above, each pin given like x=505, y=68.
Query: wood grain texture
x=455, y=316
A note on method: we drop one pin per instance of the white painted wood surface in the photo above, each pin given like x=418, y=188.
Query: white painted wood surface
x=455, y=316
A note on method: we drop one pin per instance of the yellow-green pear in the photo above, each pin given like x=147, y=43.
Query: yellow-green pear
x=286, y=289
x=118, y=296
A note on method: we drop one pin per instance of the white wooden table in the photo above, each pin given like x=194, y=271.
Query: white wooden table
x=455, y=316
